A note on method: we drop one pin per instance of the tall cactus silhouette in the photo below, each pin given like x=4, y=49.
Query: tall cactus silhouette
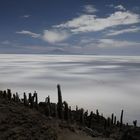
x=98, y=116
x=35, y=100
x=9, y=94
x=25, y=99
x=115, y=120
x=48, y=104
x=31, y=100
x=59, y=94
x=121, y=119
x=59, y=104
x=82, y=116
x=112, y=119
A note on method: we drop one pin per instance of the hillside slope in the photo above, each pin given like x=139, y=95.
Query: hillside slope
x=21, y=123
x=18, y=122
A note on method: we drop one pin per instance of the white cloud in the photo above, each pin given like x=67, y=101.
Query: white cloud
x=88, y=23
x=90, y=9
x=24, y=32
x=120, y=7
x=116, y=43
x=117, y=32
x=54, y=36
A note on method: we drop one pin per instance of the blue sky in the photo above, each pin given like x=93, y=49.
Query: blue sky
x=104, y=27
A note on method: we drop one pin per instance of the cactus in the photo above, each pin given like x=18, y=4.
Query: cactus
x=105, y=124
x=4, y=94
x=66, y=111
x=118, y=123
x=9, y=94
x=82, y=116
x=25, y=99
x=115, y=120
x=48, y=104
x=14, y=97
x=97, y=112
x=86, y=114
x=59, y=104
x=36, y=98
x=98, y=116
x=31, y=100
x=47, y=100
x=108, y=122
x=17, y=97
x=121, y=119
x=112, y=119
x=135, y=123
x=86, y=117
x=90, y=119
x=76, y=108
x=59, y=94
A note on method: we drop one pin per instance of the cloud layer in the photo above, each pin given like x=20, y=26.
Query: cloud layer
x=24, y=32
x=89, y=23
x=118, y=32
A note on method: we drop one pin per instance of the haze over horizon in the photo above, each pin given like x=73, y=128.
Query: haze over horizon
x=70, y=27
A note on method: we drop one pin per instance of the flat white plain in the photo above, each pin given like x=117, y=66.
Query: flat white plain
x=107, y=83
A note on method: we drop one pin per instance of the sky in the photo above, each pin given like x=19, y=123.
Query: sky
x=99, y=27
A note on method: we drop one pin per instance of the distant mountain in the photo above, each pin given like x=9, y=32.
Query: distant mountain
x=58, y=51
x=63, y=52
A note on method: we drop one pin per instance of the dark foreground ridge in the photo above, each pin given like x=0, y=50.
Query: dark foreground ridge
x=26, y=119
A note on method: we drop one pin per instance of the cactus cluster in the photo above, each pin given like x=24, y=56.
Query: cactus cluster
x=63, y=111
